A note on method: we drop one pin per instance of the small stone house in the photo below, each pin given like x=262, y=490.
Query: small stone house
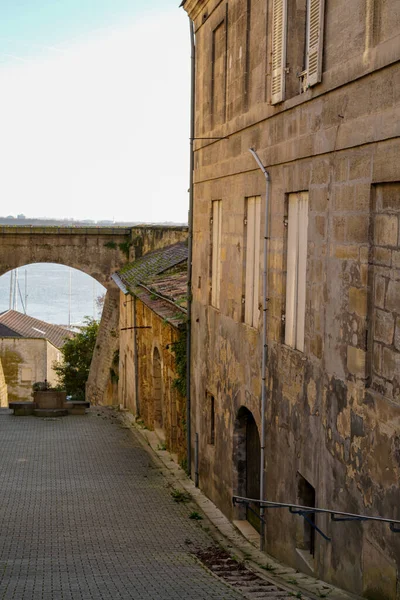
x=28, y=349
x=152, y=335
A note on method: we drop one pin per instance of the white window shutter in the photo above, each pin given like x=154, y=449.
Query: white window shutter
x=256, y=290
x=301, y=268
x=249, y=292
x=279, y=36
x=315, y=26
x=291, y=274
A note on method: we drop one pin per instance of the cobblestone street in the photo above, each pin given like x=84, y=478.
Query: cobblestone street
x=85, y=514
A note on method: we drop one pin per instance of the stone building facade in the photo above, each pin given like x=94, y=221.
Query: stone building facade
x=314, y=88
x=151, y=333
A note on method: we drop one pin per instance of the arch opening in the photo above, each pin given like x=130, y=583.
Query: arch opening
x=157, y=390
x=246, y=464
x=52, y=292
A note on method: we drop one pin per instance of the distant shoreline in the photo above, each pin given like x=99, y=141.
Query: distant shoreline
x=73, y=223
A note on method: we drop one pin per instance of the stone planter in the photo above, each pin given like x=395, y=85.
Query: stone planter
x=49, y=403
x=49, y=399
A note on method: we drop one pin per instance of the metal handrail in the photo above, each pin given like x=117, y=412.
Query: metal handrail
x=303, y=510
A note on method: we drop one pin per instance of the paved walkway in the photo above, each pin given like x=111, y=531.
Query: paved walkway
x=86, y=514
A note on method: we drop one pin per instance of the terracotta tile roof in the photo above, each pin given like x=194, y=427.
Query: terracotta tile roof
x=172, y=286
x=165, y=310
x=16, y=324
x=159, y=280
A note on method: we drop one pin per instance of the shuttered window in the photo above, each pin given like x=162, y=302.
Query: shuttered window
x=253, y=228
x=296, y=269
x=216, y=252
x=279, y=35
x=315, y=21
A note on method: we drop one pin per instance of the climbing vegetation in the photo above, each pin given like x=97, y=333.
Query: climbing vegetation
x=77, y=352
x=179, y=349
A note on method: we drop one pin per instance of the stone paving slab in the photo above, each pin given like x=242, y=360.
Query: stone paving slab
x=230, y=537
x=86, y=514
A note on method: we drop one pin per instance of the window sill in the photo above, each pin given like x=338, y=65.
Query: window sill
x=252, y=327
x=215, y=308
x=299, y=353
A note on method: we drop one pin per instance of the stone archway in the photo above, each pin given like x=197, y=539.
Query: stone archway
x=246, y=463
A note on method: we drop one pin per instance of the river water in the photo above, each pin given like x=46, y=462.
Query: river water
x=53, y=293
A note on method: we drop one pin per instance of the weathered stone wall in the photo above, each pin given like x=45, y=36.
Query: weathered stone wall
x=126, y=382
x=98, y=389
x=25, y=361
x=333, y=411
x=102, y=386
x=146, y=238
x=3, y=389
x=384, y=366
x=152, y=334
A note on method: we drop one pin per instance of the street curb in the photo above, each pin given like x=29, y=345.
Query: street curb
x=225, y=532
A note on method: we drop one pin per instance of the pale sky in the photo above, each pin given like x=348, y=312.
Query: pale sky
x=94, y=109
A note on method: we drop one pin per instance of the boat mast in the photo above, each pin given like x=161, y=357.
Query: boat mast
x=11, y=289
x=26, y=291
x=16, y=290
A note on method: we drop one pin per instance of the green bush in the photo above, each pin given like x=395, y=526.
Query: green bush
x=77, y=354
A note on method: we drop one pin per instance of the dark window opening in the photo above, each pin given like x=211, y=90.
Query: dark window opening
x=306, y=497
x=296, y=52
x=246, y=465
x=211, y=420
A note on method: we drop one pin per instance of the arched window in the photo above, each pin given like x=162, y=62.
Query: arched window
x=157, y=390
x=246, y=461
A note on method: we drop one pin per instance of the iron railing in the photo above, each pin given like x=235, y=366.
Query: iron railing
x=305, y=511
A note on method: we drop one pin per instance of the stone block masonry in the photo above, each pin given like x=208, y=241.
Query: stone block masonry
x=333, y=406
x=385, y=292
x=100, y=389
x=97, y=251
x=105, y=348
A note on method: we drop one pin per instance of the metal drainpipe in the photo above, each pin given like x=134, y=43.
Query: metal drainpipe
x=265, y=345
x=190, y=240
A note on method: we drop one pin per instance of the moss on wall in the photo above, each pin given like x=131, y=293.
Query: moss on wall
x=10, y=361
